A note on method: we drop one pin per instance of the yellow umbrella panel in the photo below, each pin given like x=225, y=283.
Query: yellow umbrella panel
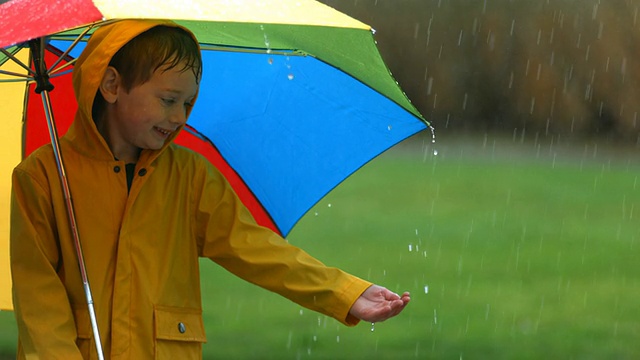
x=12, y=104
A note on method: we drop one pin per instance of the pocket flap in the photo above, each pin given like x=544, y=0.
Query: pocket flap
x=173, y=323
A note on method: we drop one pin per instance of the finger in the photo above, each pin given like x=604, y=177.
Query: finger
x=390, y=295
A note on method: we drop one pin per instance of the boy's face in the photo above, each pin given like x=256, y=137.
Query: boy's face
x=147, y=115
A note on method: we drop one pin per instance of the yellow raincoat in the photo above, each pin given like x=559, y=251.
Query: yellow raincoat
x=141, y=248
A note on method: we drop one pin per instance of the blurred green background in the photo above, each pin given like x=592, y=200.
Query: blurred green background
x=518, y=239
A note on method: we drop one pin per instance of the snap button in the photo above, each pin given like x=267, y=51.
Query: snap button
x=116, y=169
x=142, y=172
x=182, y=328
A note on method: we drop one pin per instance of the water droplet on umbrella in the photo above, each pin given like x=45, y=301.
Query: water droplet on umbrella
x=373, y=325
x=426, y=289
x=266, y=40
x=290, y=76
x=270, y=60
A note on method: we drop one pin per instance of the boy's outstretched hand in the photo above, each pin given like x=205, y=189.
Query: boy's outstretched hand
x=378, y=304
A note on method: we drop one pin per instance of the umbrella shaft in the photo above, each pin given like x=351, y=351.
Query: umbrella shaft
x=53, y=134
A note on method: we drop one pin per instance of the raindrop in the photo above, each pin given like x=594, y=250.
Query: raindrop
x=329, y=205
x=429, y=85
x=270, y=60
x=373, y=325
x=389, y=127
x=533, y=104
x=586, y=56
x=426, y=289
x=578, y=41
x=410, y=247
x=266, y=40
x=290, y=76
x=600, y=30
x=433, y=134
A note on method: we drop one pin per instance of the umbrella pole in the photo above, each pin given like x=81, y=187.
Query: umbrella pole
x=43, y=86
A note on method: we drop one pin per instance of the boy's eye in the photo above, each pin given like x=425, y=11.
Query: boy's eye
x=168, y=101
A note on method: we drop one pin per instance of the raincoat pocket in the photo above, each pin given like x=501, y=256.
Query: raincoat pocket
x=179, y=333
x=84, y=332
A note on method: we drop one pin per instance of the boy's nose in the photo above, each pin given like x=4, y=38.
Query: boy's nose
x=178, y=117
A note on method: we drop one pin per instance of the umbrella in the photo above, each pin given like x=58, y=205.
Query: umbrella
x=302, y=97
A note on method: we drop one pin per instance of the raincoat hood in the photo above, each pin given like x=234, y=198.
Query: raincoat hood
x=87, y=75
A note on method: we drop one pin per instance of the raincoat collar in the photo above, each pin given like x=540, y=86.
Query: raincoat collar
x=87, y=74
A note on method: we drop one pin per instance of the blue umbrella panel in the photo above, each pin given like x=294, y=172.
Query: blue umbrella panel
x=291, y=126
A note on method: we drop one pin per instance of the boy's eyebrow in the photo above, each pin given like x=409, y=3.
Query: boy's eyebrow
x=176, y=91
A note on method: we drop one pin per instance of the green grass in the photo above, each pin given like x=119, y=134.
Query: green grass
x=510, y=251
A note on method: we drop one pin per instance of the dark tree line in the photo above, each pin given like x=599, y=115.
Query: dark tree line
x=543, y=68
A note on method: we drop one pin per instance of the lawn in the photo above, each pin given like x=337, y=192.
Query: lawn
x=510, y=250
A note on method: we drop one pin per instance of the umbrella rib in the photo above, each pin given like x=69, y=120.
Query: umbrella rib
x=66, y=53
x=57, y=72
x=53, y=71
x=252, y=50
x=23, y=65
x=22, y=77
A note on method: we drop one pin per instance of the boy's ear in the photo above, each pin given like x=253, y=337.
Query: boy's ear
x=109, y=85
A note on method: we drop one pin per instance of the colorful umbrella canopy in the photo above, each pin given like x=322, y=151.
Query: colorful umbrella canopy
x=294, y=97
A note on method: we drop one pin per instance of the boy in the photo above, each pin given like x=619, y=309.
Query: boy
x=146, y=210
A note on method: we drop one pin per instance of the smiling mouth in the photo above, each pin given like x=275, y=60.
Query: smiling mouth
x=163, y=132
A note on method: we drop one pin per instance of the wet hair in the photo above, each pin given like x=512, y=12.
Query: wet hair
x=159, y=48
x=163, y=47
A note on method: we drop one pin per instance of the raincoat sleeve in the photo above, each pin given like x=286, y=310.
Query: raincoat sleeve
x=228, y=235
x=45, y=322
